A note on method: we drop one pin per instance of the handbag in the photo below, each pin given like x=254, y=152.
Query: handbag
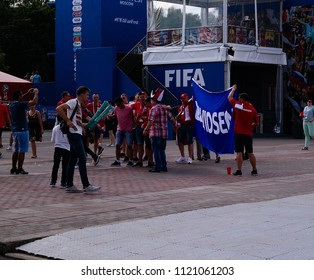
x=63, y=124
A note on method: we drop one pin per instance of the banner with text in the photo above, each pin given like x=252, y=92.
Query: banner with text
x=214, y=125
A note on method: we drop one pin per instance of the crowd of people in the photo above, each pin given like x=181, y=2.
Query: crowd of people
x=138, y=129
x=33, y=77
x=298, y=38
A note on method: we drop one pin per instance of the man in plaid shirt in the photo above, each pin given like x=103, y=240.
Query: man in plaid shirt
x=158, y=131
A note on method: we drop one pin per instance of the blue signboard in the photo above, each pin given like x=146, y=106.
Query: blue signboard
x=124, y=23
x=90, y=24
x=178, y=77
x=66, y=24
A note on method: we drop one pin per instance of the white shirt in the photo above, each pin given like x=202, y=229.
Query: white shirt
x=59, y=139
x=77, y=119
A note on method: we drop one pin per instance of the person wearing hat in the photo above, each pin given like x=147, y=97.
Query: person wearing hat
x=308, y=124
x=185, y=121
x=157, y=129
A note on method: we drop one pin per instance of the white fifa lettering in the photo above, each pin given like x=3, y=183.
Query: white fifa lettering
x=178, y=78
x=186, y=76
x=168, y=77
x=183, y=77
x=198, y=77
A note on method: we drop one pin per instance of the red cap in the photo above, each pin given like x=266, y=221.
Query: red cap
x=184, y=95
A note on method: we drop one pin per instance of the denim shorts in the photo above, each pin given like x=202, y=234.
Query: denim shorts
x=20, y=139
x=139, y=135
x=120, y=136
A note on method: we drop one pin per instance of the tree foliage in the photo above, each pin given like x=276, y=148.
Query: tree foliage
x=174, y=17
x=27, y=35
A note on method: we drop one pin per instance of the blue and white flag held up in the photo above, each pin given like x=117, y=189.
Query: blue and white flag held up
x=214, y=126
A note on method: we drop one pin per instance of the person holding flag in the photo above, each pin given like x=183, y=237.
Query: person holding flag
x=246, y=119
x=185, y=122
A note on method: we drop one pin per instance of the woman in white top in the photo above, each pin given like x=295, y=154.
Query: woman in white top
x=308, y=124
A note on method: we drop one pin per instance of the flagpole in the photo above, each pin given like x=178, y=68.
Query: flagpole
x=256, y=23
x=183, y=23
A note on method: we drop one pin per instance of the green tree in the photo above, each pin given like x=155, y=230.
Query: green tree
x=174, y=18
x=27, y=36
x=3, y=66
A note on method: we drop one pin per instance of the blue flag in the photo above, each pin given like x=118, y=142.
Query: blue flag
x=214, y=125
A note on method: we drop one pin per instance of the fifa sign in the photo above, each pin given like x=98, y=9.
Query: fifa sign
x=183, y=77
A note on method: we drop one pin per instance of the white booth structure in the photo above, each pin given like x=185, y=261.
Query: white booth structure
x=219, y=43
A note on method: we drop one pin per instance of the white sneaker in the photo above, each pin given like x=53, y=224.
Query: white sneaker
x=190, y=160
x=91, y=189
x=181, y=160
x=9, y=148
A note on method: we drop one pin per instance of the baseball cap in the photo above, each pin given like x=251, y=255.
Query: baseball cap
x=184, y=95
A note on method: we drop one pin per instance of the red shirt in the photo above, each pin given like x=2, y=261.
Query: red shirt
x=145, y=113
x=138, y=111
x=3, y=115
x=245, y=117
x=93, y=108
x=60, y=102
x=187, y=115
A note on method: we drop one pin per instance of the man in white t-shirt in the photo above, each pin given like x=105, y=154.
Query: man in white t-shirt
x=77, y=151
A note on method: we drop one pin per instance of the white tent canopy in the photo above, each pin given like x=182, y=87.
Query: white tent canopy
x=7, y=78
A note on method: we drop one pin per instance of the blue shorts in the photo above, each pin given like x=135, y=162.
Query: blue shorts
x=120, y=136
x=20, y=139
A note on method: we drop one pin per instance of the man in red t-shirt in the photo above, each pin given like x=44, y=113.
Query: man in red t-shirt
x=97, y=132
x=4, y=120
x=138, y=108
x=148, y=144
x=65, y=96
x=246, y=119
x=185, y=120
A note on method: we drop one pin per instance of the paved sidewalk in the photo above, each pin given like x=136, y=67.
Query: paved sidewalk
x=275, y=230
x=30, y=210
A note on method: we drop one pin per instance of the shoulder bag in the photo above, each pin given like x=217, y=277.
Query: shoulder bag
x=63, y=124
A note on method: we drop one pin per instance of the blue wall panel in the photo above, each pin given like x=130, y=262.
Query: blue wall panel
x=125, y=85
x=93, y=24
x=64, y=46
x=95, y=69
x=124, y=23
